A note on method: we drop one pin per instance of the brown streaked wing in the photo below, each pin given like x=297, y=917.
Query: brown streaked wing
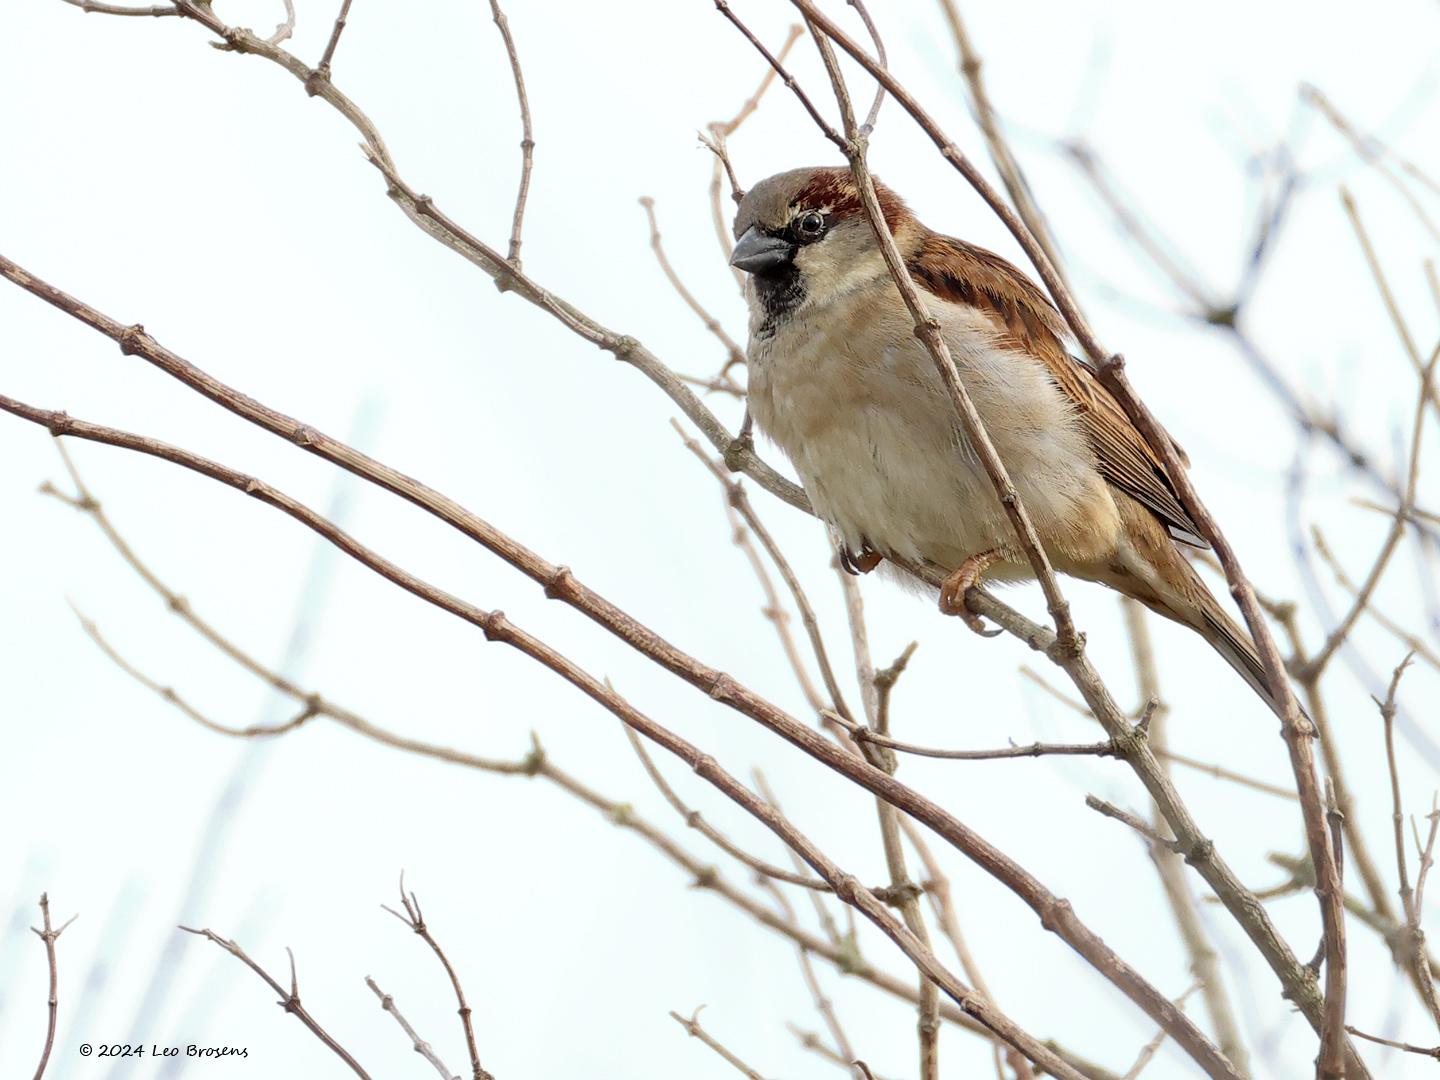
x=965, y=274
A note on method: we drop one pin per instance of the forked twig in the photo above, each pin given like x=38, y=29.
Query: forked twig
x=414, y=918
x=289, y=999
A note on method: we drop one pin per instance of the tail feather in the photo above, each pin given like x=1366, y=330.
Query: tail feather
x=1233, y=643
x=1149, y=568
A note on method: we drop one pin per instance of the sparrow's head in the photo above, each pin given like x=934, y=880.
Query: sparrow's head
x=803, y=238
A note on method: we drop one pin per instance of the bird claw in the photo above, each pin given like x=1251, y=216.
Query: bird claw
x=954, y=588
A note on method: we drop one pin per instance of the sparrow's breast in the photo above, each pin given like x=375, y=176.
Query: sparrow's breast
x=853, y=399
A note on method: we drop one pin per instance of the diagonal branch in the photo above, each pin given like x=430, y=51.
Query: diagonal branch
x=1057, y=913
x=289, y=999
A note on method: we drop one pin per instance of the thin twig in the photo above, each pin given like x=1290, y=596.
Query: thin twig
x=92, y=7
x=168, y=693
x=289, y=999
x=870, y=117
x=823, y=1004
x=49, y=935
x=928, y=1022
x=695, y=820
x=724, y=169
x=1342, y=629
x=1373, y=151
x=1392, y=306
x=1411, y=641
x=1414, y=954
x=812, y=1041
x=942, y=902
x=335, y=32
x=785, y=77
x=1016, y=185
x=414, y=918
x=423, y=1048
x=695, y=1031
x=1110, y=810
x=735, y=356
x=1409, y=1048
x=286, y=28
x=862, y=734
x=885, y=680
x=739, y=501
x=1150, y=1049
x=527, y=138
x=1204, y=961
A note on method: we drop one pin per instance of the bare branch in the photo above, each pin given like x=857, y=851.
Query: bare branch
x=785, y=76
x=734, y=355
x=323, y=69
x=1013, y=177
x=92, y=7
x=49, y=935
x=1204, y=961
x=289, y=999
x=1110, y=810
x=1413, y=953
x=414, y=918
x=1373, y=151
x=1392, y=538
x=1150, y=1049
x=696, y=821
x=862, y=734
x=1409, y=1048
x=423, y=1048
x=695, y=1031
x=559, y=583
x=285, y=28
x=1392, y=306
x=538, y=763
x=168, y=693
x=527, y=139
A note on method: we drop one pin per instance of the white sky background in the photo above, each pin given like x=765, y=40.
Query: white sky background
x=206, y=196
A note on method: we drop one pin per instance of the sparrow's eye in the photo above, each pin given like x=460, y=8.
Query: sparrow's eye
x=811, y=226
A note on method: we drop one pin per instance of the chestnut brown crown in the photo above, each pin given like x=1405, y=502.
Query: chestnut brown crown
x=803, y=237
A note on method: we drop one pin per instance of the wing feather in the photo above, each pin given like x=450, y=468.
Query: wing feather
x=965, y=274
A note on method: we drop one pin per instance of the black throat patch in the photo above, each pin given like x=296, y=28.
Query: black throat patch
x=779, y=292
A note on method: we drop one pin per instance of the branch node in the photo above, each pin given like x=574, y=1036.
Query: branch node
x=533, y=763
x=494, y=626
x=1055, y=914
x=722, y=687
x=897, y=895
x=1202, y=851
x=560, y=584
x=1111, y=365
x=739, y=452
x=128, y=338
x=623, y=346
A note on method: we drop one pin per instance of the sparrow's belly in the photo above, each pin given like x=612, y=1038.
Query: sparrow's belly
x=879, y=449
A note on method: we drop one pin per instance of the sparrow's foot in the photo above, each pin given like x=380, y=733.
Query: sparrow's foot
x=952, y=591
x=862, y=563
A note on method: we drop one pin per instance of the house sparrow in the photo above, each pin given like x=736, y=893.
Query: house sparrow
x=840, y=381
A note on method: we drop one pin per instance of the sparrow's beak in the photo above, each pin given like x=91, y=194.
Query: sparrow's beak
x=756, y=253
